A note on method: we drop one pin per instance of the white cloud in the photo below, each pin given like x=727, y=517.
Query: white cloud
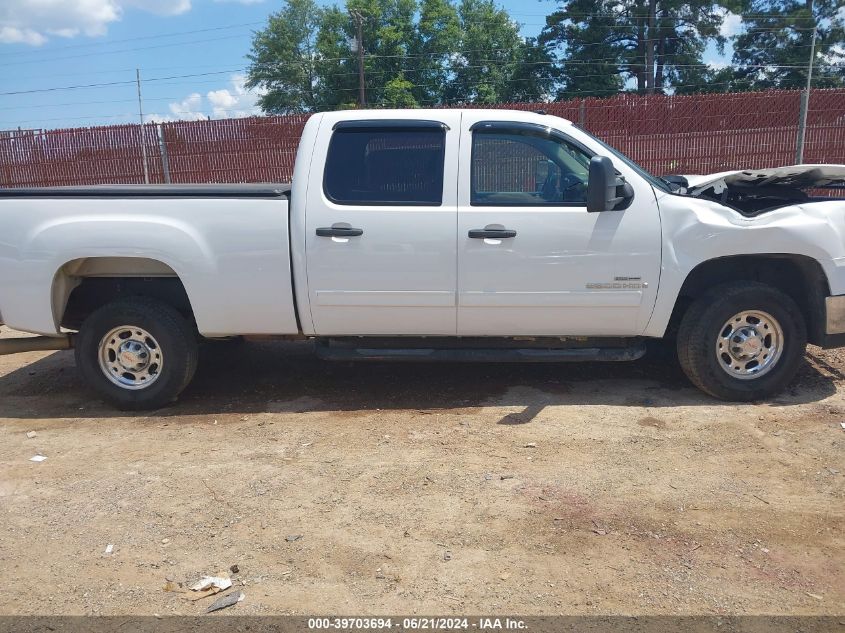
x=189, y=108
x=34, y=21
x=15, y=35
x=731, y=24
x=242, y=1
x=160, y=7
x=717, y=64
x=233, y=102
x=222, y=99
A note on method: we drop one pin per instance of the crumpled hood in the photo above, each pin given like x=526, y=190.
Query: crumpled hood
x=798, y=176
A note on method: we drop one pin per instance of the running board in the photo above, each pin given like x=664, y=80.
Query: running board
x=481, y=355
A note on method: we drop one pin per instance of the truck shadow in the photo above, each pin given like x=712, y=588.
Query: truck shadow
x=287, y=377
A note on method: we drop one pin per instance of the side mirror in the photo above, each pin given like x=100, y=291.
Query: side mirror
x=605, y=190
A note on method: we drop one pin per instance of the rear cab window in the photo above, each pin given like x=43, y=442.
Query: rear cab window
x=386, y=163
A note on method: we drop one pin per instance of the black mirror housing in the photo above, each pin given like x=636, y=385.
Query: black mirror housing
x=605, y=190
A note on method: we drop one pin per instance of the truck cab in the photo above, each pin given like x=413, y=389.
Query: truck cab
x=468, y=224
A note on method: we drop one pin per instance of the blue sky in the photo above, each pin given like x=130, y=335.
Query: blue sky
x=51, y=45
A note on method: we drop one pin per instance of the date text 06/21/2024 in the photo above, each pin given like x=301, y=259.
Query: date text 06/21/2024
x=417, y=623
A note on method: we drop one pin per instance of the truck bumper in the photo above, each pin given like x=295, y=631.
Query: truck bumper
x=834, y=322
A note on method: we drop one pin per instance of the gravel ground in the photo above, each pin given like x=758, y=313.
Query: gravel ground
x=431, y=489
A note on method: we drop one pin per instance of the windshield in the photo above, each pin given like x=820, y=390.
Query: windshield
x=652, y=179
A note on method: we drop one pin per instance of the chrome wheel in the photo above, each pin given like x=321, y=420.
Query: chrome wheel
x=749, y=344
x=130, y=357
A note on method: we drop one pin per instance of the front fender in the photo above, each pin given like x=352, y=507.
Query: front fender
x=697, y=230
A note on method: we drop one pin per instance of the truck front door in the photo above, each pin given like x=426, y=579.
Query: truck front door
x=531, y=259
x=380, y=226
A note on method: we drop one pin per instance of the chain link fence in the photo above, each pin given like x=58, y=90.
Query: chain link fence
x=665, y=134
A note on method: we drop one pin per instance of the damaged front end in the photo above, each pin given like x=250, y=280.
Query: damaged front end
x=753, y=192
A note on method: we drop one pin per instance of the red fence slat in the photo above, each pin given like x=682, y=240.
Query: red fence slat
x=664, y=133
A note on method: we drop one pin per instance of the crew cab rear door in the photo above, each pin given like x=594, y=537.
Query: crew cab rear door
x=380, y=225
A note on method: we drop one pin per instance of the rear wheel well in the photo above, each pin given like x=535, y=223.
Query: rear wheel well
x=799, y=276
x=85, y=285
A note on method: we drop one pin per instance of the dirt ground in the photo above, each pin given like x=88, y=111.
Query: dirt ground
x=430, y=489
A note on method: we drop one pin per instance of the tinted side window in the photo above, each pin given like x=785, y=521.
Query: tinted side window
x=385, y=166
x=522, y=169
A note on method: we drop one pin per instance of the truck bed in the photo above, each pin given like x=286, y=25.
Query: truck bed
x=228, y=245
x=248, y=190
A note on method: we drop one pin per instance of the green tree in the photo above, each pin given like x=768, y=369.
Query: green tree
x=438, y=38
x=337, y=64
x=533, y=76
x=416, y=52
x=389, y=33
x=657, y=44
x=487, y=69
x=283, y=59
x=399, y=93
x=590, y=45
x=773, y=50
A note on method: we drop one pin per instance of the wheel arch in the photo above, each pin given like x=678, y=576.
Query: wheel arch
x=799, y=276
x=82, y=285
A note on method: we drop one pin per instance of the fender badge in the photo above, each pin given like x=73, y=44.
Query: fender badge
x=619, y=285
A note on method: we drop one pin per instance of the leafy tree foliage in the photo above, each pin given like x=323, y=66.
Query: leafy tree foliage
x=655, y=44
x=283, y=59
x=439, y=34
x=432, y=52
x=774, y=49
x=416, y=53
x=399, y=93
x=493, y=62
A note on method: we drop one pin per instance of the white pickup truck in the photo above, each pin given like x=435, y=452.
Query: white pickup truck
x=465, y=235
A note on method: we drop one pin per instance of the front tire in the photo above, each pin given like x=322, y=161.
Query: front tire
x=137, y=353
x=742, y=341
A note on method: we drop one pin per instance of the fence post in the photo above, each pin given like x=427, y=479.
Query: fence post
x=582, y=114
x=165, y=161
x=141, y=128
x=805, y=101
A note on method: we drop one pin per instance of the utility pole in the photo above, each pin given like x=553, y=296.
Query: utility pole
x=805, y=97
x=359, y=45
x=141, y=128
x=650, y=43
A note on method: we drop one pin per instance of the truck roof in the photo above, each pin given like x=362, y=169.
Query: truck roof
x=246, y=190
x=533, y=116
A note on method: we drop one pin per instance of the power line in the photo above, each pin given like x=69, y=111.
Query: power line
x=120, y=70
x=114, y=83
x=470, y=87
x=128, y=70
x=123, y=50
x=744, y=16
x=136, y=39
x=77, y=103
x=480, y=63
x=619, y=24
x=328, y=60
x=617, y=18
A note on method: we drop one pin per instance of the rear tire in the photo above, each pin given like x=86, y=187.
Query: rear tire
x=137, y=353
x=742, y=341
